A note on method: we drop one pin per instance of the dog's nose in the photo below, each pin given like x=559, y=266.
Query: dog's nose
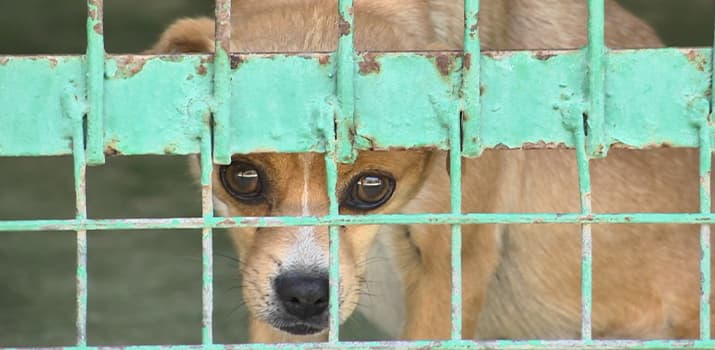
x=303, y=295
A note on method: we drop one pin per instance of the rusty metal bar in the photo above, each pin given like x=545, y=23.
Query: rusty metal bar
x=76, y=114
x=337, y=220
x=471, y=81
x=586, y=237
x=95, y=81
x=331, y=169
x=597, y=143
x=207, y=210
x=345, y=88
x=430, y=344
x=222, y=84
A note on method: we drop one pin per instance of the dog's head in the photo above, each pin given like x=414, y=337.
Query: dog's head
x=285, y=269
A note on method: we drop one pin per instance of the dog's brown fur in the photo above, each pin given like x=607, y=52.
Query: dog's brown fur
x=520, y=281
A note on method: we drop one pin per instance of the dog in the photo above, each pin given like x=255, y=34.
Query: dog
x=519, y=281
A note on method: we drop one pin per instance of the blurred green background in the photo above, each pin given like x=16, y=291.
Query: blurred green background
x=144, y=286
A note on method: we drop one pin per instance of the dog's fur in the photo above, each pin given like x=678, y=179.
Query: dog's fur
x=520, y=281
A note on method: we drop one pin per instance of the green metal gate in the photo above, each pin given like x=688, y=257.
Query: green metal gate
x=208, y=104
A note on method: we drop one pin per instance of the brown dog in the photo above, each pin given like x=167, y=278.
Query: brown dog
x=520, y=281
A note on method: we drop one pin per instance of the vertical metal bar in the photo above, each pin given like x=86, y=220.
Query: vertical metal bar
x=595, y=146
x=471, y=95
x=345, y=83
x=222, y=83
x=206, y=236
x=455, y=167
x=597, y=143
x=331, y=169
x=705, y=206
x=95, y=82
x=584, y=179
x=80, y=181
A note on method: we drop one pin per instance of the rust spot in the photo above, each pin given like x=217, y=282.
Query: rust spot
x=111, y=151
x=111, y=148
x=324, y=59
x=444, y=64
x=170, y=149
x=628, y=218
x=201, y=69
x=128, y=66
x=538, y=221
x=369, y=64
x=588, y=217
x=53, y=62
x=544, y=145
x=467, y=61
x=482, y=90
x=544, y=55
x=98, y=28
x=343, y=27
x=236, y=60
x=697, y=59
x=4, y=60
x=228, y=221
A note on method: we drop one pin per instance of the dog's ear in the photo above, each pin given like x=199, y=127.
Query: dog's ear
x=188, y=35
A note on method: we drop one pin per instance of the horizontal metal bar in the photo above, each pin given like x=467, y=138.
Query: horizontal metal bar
x=429, y=344
x=522, y=95
x=378, y=219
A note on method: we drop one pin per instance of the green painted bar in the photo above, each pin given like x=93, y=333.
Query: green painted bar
x=430, y=344
x=471, y=71
x=283, y=110
x=168, y=98
x=331, y=169
x=597, y=138
x=382, y=219
x=35, y=96
x=76, y=115
x=207, y=211
x=524, y=96
x=413, y=94
x=455, y=193
x=345, y=83
x=584, y=183
x=705, y=207
x=95, y=81
x=222, y=87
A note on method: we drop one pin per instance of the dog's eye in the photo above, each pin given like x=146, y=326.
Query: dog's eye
x=369, y=191
x=243, y=181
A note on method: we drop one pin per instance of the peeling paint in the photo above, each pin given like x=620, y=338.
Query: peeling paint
x=344, y=27
x=369, y=64
x=444, y=64
x=129, y=65
x=697, y=59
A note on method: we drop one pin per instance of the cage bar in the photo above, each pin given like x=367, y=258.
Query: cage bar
x=331, y=169
x=431, y=344
x=80, y=181
x=471, y=76
x=346, y=220
x=597, y=143
x=345, y=88
x=584, y=182
x=455, y=190
x=705, y=206
x=95, y=81
x=207, y=210
x=222, y=84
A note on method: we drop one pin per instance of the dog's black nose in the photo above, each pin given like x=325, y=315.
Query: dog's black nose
x=303, y=295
